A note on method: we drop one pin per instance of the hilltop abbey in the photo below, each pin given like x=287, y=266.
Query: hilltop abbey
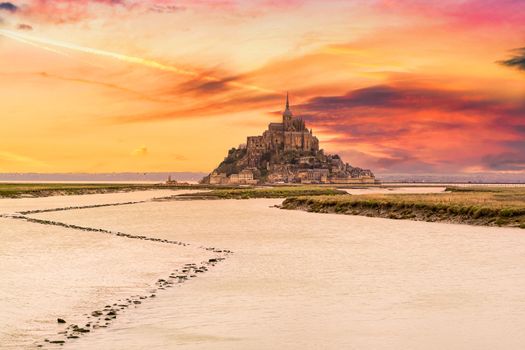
x=290, y=135
x=286, y=152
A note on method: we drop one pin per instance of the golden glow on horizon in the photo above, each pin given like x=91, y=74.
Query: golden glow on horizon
x=382, y=83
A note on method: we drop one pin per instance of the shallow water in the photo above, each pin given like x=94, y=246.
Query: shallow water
x=13, y=205
x=396, y=190
x=301, y=280
x=48, y=272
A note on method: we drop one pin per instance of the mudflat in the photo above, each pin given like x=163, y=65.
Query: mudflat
x=293, y=278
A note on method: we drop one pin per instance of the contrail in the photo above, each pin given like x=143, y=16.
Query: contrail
x=47, y=48
x=121, y=57
x=4, y=33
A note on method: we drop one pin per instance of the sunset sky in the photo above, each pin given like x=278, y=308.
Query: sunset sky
x=397, y=86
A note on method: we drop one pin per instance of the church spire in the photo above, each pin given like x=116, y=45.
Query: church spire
x=287, y=113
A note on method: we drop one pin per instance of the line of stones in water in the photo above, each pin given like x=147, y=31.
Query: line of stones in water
x=103, y=318
x=36, y=211
x=101, y=230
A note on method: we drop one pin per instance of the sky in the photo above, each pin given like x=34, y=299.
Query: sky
x=396, y=86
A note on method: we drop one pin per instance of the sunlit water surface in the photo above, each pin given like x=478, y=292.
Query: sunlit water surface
x=396, y=190
x=297, y=280
x=47, y=272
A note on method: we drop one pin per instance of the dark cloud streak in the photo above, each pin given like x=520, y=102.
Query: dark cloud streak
x=208, y=107
x=409, y=124
x=199, y=86
x=409, y=98
x=159, y=8
x=23, y=26
x=507, y=161
x=517, y=61
x=8, y=6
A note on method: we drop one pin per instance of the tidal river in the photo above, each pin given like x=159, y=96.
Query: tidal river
x=295, y=280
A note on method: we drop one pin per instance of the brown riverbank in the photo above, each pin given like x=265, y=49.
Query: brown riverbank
x=473, y=206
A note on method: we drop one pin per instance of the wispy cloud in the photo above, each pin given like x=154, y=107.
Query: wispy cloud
x=463, y=13
x=71, y=11
x=517, y=61
x=132, y=93
x=65, y=11
x=202, y=109
x=7, y=158
x=23, y=26
x=147, y=62
x=166, y=8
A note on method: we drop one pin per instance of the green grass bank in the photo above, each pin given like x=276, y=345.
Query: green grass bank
x=262, y=192
x=19, y=190
x=494, y=206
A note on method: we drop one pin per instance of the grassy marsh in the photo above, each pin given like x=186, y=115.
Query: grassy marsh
x=264, y=192
x=493, y=206
x=16, y=190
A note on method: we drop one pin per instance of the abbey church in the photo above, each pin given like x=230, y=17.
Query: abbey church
x=289, y=135
x=286, y=152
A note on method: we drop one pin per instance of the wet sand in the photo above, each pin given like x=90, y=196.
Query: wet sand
x=60, y=281
x=14, y=205
x=302, y=280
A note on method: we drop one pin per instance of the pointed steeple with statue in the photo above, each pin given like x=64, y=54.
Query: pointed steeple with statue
x=287, y=114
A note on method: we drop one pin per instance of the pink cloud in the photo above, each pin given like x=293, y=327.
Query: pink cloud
x=70, y=11
x=65, y=11
x=401, y=128
x=469, y=13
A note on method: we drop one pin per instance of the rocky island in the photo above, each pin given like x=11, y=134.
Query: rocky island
x=286, y=152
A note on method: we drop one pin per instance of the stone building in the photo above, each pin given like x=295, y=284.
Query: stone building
x=289, y=135
x=218, y=179
x=245, y=177
x=286, y=152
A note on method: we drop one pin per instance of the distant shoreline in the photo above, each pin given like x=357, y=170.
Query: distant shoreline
x=35, y=190
x=121, y=177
